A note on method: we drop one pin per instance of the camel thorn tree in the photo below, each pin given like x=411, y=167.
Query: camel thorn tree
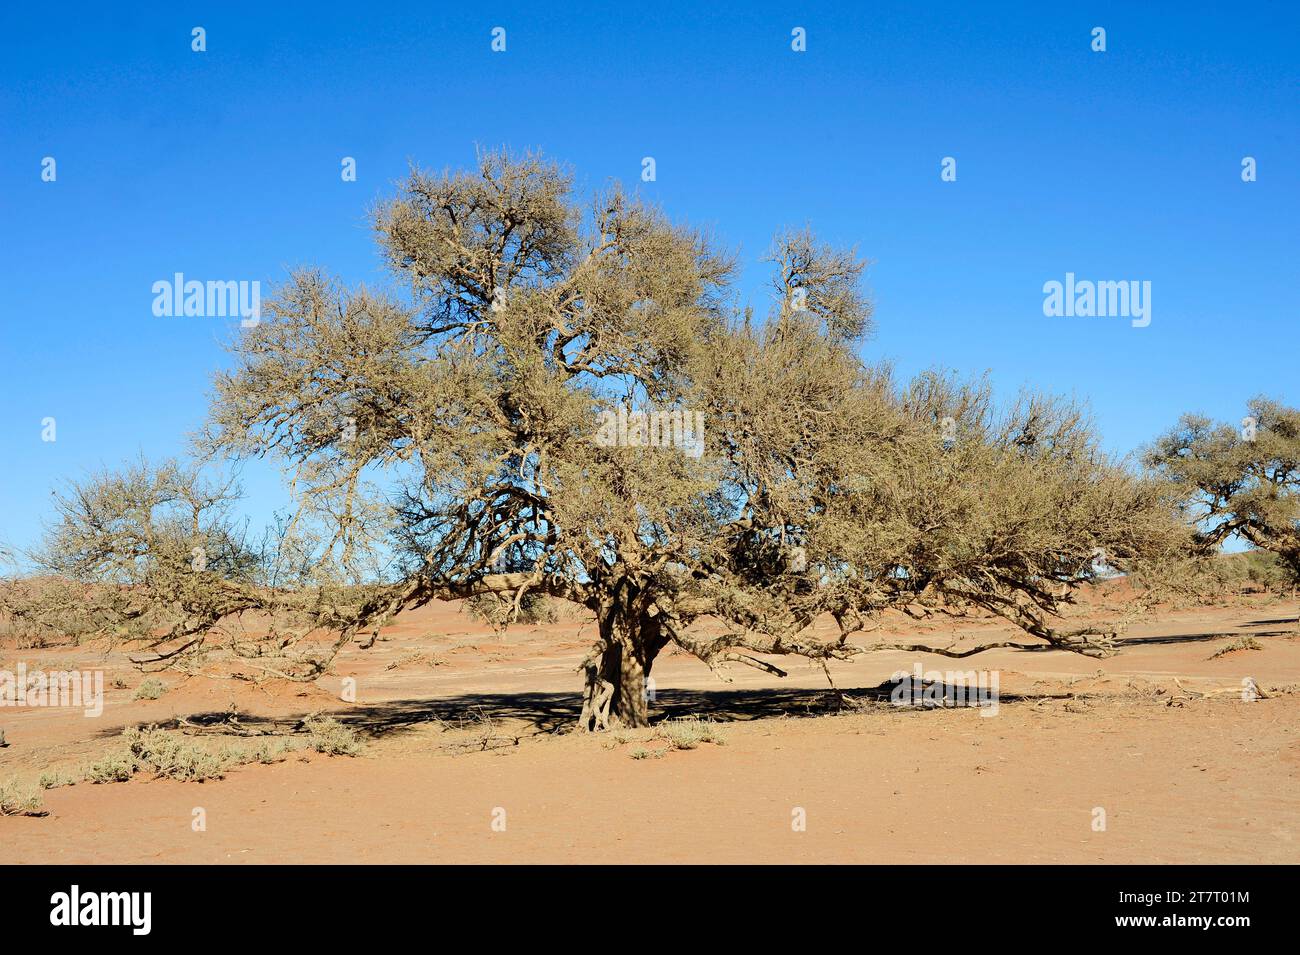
x=1239, y=481
x=458, y=425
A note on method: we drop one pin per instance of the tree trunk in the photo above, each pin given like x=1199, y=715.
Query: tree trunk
x=615, y=691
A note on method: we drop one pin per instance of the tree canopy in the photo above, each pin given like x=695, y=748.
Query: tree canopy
x=454, y=422
x=1239, y=480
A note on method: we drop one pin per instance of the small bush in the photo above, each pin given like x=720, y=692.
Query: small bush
x=115, y=768
x=270, y=751
x=688, y=733
x=150, y=689
x=166, y=755
x=17, y=799
x=169, y=756
x=1251, y=571
x=174, y=757
x=56, y=779
x=327, y=735
x=497, y=611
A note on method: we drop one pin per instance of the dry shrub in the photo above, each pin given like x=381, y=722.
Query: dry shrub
x=165, y=755
x=1254, y=571
x=150, y=689
x=39, y=612
x=170, y=756
x=19, y=799
x=116, y=767
x=327, y=735
x=499, y=613
x=54, y=779
x=689, y=732
x=1241, y=643
x=271, y=751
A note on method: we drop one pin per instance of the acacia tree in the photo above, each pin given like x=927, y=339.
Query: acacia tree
x=460, y=423
x=152, y=555
x=1241, y=481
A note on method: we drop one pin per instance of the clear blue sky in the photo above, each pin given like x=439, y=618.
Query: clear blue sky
x=225, y=165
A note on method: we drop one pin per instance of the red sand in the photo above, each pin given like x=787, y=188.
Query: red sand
x=1181, y=777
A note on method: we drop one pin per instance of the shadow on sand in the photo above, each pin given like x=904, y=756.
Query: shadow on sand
x=545, y=713
x=1213, y=635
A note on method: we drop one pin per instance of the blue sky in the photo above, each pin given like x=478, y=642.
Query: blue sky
x=1122, y=165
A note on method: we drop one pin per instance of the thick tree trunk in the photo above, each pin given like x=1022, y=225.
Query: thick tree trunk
x=615, y=691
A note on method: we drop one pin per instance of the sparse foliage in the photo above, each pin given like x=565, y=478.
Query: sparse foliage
x=327, y=735
x=440, y=440
x=498, y=611
x=20, y=799
x=150, y=689
x=1240, y=481
x=688, y=732
x=1241, y=643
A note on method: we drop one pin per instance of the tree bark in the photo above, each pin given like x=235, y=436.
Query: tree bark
x=615, y=689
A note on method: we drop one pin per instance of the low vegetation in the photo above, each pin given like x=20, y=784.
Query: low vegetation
x=1241, y=643
x=689, y=732
x=54, y=779
x=19, y=799
x=327, y=735
x=150, y=689
x=164, y=754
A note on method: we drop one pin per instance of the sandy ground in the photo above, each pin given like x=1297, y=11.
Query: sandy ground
x=467, y=761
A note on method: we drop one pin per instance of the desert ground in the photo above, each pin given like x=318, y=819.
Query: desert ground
x=468, y=756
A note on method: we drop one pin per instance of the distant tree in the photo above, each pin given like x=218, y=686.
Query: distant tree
x=1240, y=481
x=151, y=555
x=473, y=426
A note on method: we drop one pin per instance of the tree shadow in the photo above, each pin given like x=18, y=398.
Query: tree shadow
x=550, y=713
x=1202, y=637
